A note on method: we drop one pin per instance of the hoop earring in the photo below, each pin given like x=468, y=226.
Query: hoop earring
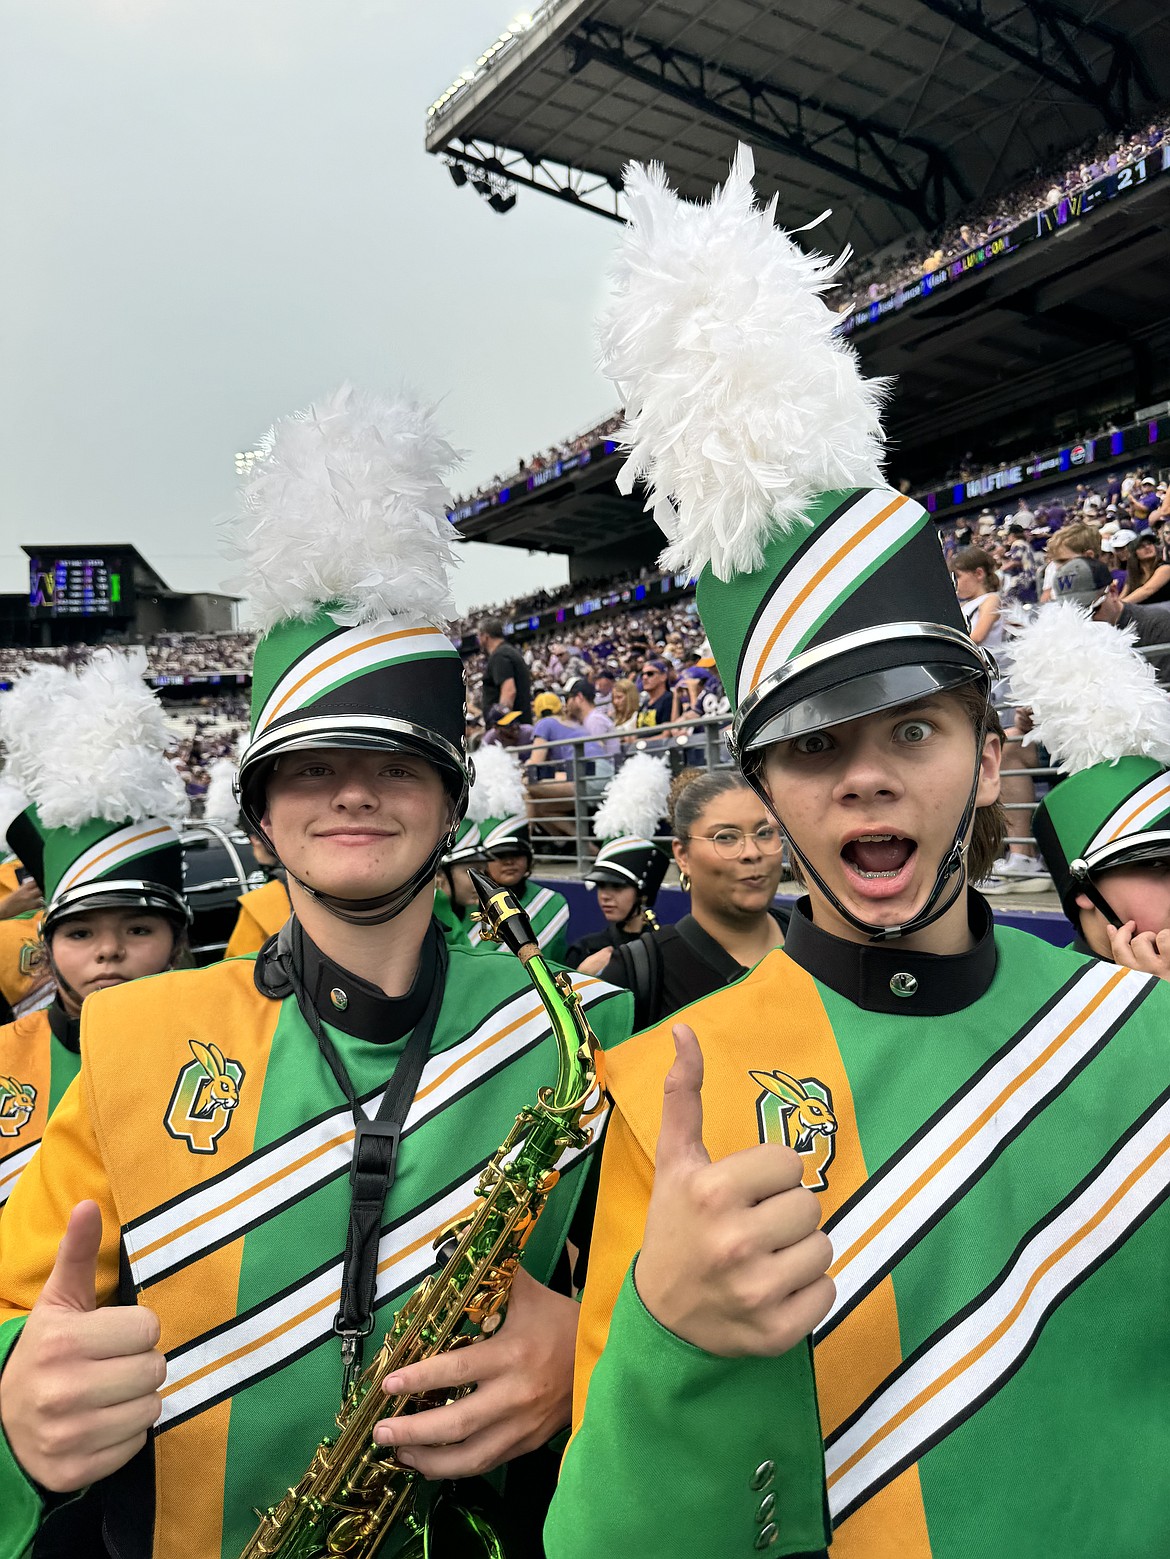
x=684, y=882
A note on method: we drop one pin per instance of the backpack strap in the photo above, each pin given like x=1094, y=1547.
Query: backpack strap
x=641, y=962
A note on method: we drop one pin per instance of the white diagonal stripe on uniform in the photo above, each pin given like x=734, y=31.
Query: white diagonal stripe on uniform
x=1135, y=813
x=256, y=1344
x=343, y=656
x=545, y=935
x=959, y=1145
x=842, y=577
x=269, y=1180
x=11, y=1168
x=925, y=1399
x=125, y=844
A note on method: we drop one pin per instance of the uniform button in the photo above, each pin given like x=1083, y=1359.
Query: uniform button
x=763, y=1475
x=767, y=1506
x=767, y=1535
x=904, y=985
x=339, y=999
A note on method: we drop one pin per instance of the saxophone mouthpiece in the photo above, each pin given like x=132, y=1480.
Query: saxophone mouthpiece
x=502, y=918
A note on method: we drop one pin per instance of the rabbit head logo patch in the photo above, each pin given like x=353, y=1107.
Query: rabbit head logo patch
x=17, y=1103
x=206, y=1092
x=800, y=1115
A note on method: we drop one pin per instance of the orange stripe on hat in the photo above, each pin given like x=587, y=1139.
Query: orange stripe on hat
x=334, y=660
x=819, y=577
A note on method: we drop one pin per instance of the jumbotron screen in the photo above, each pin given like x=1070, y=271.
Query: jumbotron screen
x=78, y=586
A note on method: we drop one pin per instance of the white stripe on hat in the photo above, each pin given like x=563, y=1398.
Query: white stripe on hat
x=343, y=656
x=827, y=572
x=115, y=850
x=1134, y=814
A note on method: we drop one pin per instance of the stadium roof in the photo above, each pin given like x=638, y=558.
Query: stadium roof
x=898, y=114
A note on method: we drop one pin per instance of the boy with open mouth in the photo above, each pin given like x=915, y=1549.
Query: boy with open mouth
x=881, y=1233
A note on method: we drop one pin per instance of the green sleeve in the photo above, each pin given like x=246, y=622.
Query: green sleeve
x=20, y=1504
x=682, y=1452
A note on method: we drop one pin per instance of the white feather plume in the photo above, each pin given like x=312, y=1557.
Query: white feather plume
x=99, y=747
x=499, y=785
x=741, y=404
x=220, y=804
x=1093, y=698
x=23, y=712
x=13, y=802
x=346, y=506
x=635, y=799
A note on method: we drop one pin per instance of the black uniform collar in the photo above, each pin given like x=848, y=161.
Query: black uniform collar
x=880, y=977
x=352, y=1004
x=63, y=1027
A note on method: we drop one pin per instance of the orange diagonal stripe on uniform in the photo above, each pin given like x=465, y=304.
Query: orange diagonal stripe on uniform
x=818, y=578
x=123, y=844
x=354, y=649
x=329, y=1301
x=976, y=1353
x=977, y=1124
x=242, y=1196
x=1149, y=802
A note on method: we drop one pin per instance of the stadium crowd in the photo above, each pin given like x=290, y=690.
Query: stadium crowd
x=868, y=278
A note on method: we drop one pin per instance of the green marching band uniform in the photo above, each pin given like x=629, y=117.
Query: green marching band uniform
x=206, y=1122
x=83, y=832
x=497, y=829
x=1108, y=731
x=988, y=1133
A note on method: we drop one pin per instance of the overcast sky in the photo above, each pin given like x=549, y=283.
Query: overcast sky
x=213, y=210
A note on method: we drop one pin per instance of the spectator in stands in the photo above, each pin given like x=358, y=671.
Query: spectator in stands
x=598, y=755
x=977, y=586
x=1088, y=582
x=506, y=729
x=1143, y=501
x=506, y=678
x=1147, y=572
x=603, y=685
x=1071, y=541
x=624, y=708
x=657, y=699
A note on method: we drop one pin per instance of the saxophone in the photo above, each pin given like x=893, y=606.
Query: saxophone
x=353, y=1494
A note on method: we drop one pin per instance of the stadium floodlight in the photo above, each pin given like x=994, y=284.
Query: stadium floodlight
x=502, y=203
x=458, y=174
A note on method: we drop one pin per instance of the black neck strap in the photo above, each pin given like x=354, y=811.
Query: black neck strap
x=375, y=1145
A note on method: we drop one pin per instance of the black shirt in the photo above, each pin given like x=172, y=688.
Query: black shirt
x=506, y=661
x=681, y=964
x=612, y=936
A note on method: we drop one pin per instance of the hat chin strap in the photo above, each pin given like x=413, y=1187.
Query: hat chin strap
x=940, y=899
x=384, y=906
x=1085, y=884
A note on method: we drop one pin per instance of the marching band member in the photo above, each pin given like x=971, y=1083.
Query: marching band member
x=851, y=1238
x=112, y=869
x=248, y=1175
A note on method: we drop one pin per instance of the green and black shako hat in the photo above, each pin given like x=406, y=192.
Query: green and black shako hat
x=824, y=593
x=497, y=822
x=634, y=804
x=86, y=747
x=1097, y=707
x=349, y=553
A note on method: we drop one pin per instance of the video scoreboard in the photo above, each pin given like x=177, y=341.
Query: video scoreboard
x=95, y=586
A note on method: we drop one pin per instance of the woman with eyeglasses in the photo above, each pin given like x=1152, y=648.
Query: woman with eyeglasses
x=728, y=851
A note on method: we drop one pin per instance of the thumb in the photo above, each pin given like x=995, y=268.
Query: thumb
x=72, y=1284
x=680, y=1137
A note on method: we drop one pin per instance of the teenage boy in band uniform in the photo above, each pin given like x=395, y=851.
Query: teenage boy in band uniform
x=182, y=1346
x=851, y=1237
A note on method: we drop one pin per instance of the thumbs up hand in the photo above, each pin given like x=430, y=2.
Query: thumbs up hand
x=732, y=1260
x=80, y=1389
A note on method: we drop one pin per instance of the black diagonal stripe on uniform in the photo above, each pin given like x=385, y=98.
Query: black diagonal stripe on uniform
x=260, y=1154
x=814, y=535
x=921, y=1230
x=974, y=1404
x=396, y=1293
x=272, y=1208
